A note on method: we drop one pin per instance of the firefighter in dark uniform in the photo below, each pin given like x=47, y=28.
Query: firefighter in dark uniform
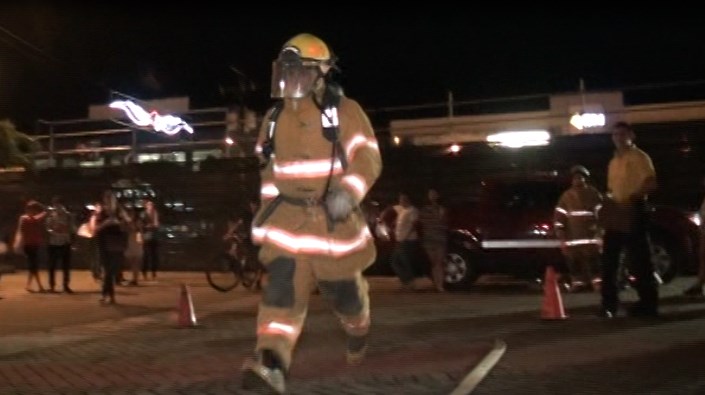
x=319, y=161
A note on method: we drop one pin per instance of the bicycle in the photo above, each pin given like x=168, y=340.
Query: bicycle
x=235, y=266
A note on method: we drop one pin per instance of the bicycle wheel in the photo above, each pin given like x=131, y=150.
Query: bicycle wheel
x=250, y=274
x=221, y=274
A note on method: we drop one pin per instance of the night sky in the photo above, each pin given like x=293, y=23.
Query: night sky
x=57, y=60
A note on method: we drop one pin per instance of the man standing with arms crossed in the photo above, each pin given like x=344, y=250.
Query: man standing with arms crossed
x=630, y=179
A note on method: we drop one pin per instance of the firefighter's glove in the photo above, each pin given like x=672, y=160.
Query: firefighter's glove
x=339, y=204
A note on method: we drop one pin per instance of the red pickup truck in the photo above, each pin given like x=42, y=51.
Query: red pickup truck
x=504, y=225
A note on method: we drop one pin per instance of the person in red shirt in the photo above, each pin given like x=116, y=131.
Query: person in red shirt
x=31, y=229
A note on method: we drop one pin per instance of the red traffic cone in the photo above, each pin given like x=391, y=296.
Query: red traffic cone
x=187, y=317
x=552, y=307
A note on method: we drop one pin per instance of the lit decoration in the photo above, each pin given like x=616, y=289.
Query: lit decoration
x=168, y=124
x=587, y=120
x=518, y=139
x=454, y=149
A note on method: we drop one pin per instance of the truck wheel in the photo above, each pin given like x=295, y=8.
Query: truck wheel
x=460, y=272
x=664, y=258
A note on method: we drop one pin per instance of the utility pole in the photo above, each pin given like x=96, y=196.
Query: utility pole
x=581, y=87
x=450, y=111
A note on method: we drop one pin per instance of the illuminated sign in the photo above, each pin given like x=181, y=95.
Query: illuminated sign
x=587, y=120
x=520, y=138
x=168, y=124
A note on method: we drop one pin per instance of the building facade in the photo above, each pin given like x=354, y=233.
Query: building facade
x=565, y=115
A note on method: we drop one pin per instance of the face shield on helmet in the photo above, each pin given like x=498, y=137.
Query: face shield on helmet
x=293, y=77
x=300, y=65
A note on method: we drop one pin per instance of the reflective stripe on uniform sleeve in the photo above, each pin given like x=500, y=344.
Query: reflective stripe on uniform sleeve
x=359, y=141
x=356, y=183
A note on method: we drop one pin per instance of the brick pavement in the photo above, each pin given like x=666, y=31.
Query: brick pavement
x=147, y=354
x=421, y=343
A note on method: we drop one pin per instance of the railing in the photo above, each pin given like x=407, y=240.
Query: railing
x=61, y=139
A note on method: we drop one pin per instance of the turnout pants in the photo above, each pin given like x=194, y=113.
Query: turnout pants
x=285, y=298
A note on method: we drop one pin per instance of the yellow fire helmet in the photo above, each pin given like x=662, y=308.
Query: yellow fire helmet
x=308, y=47
x=302, y=62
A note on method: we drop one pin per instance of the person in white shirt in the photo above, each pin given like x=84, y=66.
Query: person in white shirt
x=407, y=242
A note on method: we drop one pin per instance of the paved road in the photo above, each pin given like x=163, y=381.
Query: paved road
x=421, y=343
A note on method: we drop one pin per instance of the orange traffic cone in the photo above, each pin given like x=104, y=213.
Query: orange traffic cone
x=552, y=308
x=187, y=317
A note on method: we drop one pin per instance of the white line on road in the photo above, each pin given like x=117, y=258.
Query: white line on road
x=480, y=371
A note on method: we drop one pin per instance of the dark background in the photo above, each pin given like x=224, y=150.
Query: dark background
x=56, y=58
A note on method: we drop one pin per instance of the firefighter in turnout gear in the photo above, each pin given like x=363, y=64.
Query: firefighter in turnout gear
x=576, y=226
x=319, y=159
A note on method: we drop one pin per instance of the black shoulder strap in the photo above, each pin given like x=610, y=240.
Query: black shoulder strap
x=268, y=144
x=330, y=121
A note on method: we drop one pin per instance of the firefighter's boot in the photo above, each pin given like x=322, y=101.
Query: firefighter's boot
x=264, y=374
x=357, y=347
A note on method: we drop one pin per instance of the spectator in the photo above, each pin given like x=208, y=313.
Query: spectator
x=150, y=244
x=112, y=242
x=434, y=236
x=31, y=230
x=61, y=229
x=407, y=242
x=630, y=179
x=134, y=250
x=575, y=224
x=96, y=264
